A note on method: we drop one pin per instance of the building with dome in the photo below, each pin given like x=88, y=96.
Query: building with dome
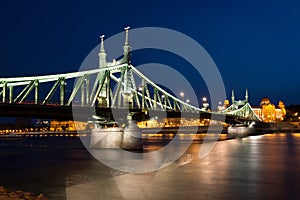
x=268, y=112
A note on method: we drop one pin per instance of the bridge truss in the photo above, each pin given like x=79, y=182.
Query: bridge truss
x=116, y=84
x=241, y=109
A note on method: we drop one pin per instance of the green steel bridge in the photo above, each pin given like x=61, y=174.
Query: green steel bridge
x=46, y=96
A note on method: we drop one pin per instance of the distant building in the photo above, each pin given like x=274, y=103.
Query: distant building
x=293, y=113
x=67, y=126
x=268, y=112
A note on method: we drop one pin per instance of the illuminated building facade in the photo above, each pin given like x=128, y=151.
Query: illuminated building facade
x=67, y=126
x=268, y=111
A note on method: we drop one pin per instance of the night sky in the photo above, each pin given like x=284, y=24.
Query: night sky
x=255, y=44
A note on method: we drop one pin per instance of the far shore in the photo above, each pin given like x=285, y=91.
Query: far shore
x=273, y=128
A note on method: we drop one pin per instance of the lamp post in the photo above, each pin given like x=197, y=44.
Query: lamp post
x=220, y=107
x=205, y=103
x=181, y=95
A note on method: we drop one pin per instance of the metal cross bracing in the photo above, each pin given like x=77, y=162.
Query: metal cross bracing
x=112, y=85
x=241, y=109
x=27, y=86
x=116, y=84
x=147, y=96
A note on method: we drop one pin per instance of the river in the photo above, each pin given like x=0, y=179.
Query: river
x=255, y=167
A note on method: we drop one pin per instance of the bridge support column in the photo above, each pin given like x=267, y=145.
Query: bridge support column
x=127, y=101
x=4, y=92
x=143, y=94
x=11, y=94
x=36, y=92
x=175, y=107
x=62, y=92
x=165, y=101
x=82, y=95
x=155, y=99
x=108, y=90
x=87, y=85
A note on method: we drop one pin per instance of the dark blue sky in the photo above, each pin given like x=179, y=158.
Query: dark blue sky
x=255, y=44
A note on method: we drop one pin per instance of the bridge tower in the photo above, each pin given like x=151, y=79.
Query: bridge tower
x=103, y=98
x=241, y=108
x=128, y=76
x=119, y=73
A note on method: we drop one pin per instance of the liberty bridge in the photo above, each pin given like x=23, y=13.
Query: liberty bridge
x=113, y=85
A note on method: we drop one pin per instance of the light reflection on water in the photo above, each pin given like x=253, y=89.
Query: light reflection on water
x=255, y=167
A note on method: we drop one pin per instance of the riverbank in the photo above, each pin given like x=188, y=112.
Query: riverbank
x=6, y=194
x=282, y=127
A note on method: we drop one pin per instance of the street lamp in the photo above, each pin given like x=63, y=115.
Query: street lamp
x=182, y=95
x=187, y=101
x=220, y=107
x=205, y=103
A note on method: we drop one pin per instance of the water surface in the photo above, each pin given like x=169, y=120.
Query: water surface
x=256, y=167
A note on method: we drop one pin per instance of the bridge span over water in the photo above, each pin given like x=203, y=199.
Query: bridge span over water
x=112, y=85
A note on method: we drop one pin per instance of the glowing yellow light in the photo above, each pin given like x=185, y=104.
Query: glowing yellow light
x=296, y=134
x=269, y=135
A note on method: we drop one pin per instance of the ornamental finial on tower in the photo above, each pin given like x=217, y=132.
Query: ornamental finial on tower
x=232, y=97
x=102, y=50
x=246, y=95
x=102, y=54
x=126, y=47
x=127, y=39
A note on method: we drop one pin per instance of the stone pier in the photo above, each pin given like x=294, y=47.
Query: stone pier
x=129, y=138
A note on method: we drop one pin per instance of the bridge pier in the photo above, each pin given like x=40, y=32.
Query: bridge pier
x=132, y=136
x=129, y=138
